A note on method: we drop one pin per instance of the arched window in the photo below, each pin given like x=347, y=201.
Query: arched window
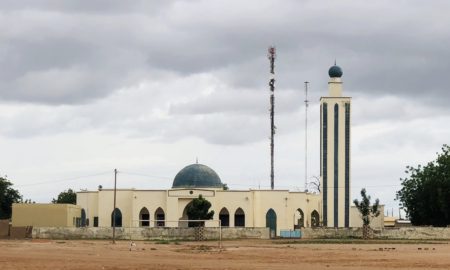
x=160, y=217
x=144, y=217
x=116, y=216
x=299, y=219
x=83, y=218
x=315, y=219
x=271, y=222
x=239, y=218
x=224, y=217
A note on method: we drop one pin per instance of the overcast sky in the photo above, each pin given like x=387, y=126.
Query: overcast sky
x=148, y=86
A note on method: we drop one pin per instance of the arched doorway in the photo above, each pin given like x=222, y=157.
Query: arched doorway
x=116, y=216
x=299, y=219
x=182, y=220
x=191, y=222
x=144, y=217
x=160, y=218
x=239, y=218
x=315, y=219
x=271, y=222
x=83, y=218
x=224, y=217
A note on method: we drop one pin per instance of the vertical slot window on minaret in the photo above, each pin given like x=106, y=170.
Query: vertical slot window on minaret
x=324, y=161
x=347, y=164
x=336, y=165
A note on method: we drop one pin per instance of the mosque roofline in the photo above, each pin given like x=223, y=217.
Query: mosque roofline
x=278, y=190
x=234, y=190
x=134, y=189
x=193, y=188
x=335, y=97
x=119, y=189
x=198, y=188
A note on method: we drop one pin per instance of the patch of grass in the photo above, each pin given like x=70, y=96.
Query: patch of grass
x=359, y=241
x=167, y=241
x=162, y=242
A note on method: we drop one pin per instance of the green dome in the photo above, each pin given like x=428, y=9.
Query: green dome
x=196, y=176
x=335, y=72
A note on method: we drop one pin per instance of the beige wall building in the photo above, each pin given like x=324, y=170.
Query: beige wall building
x=277, y=209
x=46, y=215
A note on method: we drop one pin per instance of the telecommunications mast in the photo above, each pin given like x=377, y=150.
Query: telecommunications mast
x=306, y=136
x=271, y=55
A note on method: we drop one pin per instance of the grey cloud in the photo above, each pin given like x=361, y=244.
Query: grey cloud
x=92, y=6
x=381, y=48
x=239, y=102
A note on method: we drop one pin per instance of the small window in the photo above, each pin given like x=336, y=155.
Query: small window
x=95, y=221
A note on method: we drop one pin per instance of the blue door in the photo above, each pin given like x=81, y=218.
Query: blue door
x=271, y=222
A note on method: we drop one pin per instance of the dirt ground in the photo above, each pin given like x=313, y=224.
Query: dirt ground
x=243, y=254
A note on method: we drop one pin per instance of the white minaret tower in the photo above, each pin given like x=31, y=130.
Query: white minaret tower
x=335, y=155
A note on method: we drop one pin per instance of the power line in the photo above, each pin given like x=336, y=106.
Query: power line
x=290, y=186
x=91, y=175
x=63, y=180
x=144, y=175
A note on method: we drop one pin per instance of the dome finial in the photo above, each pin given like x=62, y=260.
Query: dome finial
x=335, y=71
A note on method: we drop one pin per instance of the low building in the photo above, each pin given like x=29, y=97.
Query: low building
x=403, y=223
x=277, y=209
x=389, y=222
x=356, y=218
x=46, y=215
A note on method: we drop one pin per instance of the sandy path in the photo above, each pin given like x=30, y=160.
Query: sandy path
x=244, y=254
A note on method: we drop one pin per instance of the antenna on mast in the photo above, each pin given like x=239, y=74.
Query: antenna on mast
x=306, y=135
x=272, y=55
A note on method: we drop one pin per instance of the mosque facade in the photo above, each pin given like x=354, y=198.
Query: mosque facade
x=276, y=209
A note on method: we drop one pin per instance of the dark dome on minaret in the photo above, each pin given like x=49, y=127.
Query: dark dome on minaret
x=335, y=71
x=197, y=176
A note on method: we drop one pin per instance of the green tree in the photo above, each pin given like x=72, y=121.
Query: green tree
x=425, y=195
x=66, y=197
x=198, y=209
x=367, y=210
x=8, y=196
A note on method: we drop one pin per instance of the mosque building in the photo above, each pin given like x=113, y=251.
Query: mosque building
x=276, y=209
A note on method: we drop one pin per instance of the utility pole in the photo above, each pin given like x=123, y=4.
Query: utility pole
x=114, y=209
x=271, y=55
x=306, y=135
